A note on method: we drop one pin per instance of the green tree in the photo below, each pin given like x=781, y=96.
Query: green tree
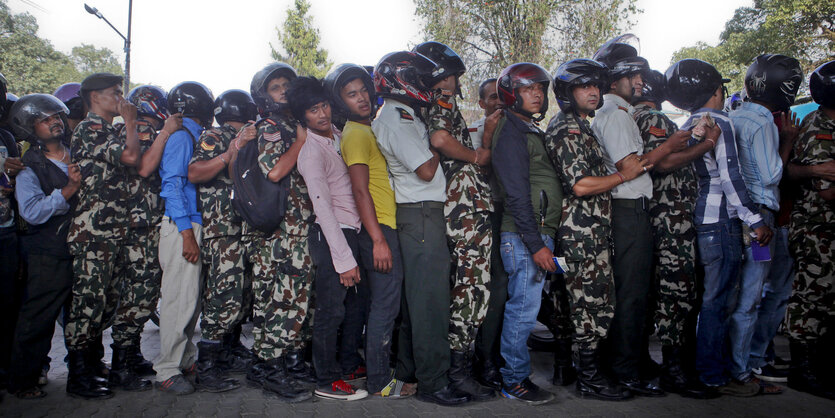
x=299, y=41
x=29, y=63
x=88, y=60
x=804, y=29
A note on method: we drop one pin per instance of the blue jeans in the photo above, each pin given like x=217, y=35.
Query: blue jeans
x=524, y=291
x=748, y=295
x=776, y=292
x=720, y=252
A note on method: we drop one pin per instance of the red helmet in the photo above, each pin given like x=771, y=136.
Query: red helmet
x=519, y=75
x=400, y=75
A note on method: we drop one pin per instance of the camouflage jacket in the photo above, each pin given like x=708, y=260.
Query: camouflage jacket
x=145, y=204
x=214, y=198
x=468, y=188
x=102, y=210
x=814, y=146
x=674, y=193
x=275, y=136
x=576, y=153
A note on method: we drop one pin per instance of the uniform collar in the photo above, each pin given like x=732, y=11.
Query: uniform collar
x=325, y=140
x=618, y=101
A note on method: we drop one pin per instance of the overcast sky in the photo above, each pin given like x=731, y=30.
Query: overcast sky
x=222, y=43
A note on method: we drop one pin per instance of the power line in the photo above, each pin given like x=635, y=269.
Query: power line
x=35, y=5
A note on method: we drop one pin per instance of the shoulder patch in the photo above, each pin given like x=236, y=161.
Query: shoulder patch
x=472, y=129
x=404, y=114
x=94, y=126
x=574, y=131
x=144, y=136
x=270, y=121
x=657, y=132
x=272, y=137
x=208, y=143
x=824, y=136
x=444, y=104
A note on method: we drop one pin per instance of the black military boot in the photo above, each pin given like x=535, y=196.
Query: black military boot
x=564, y=371
x=81, y=383
x=229, y=360
x=675, y=380
x=802, y=374
x=210, y=378
x=137, y=362
x=486, y=372
x=257, y=373
x=279, y=382
x=121, y=375
x=298, y=368
x=591, y=383
x=460, y=378
x=96, y=352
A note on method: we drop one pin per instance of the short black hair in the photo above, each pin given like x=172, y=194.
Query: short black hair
x=304, y=93
x=481, y=87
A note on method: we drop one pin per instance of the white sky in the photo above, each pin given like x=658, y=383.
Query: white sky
x=223, y=45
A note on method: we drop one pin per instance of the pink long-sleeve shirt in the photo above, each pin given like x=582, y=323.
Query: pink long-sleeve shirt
x=329, y=187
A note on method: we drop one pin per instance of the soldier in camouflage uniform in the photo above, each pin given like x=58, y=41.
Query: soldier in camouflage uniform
x=227, y=282
x=98, y=230
x=140, y=292
x=282, y=275
x=585, y=231
x=812, y=240
x=674, y=235
x=467, y=212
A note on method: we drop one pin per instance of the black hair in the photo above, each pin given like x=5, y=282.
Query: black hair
x=481, y=87
x=304, y=93
x=85, y=97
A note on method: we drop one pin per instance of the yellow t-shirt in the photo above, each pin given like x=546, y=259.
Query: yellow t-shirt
x=359, y=146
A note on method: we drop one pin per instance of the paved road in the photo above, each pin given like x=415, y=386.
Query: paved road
x=251, y=402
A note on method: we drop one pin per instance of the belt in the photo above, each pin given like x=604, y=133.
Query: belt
x=424, y=204
x=639, y=203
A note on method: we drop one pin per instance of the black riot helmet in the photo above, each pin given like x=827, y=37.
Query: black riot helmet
x=620, y=54
x=520, y=75
x=447, y=63
x=691, y=83
x=774, y=79
x=4, y=88
x=258, y=86
x=343, y=74
x=33, y=108
x=193, y=100
x=654, y=90
x=579, y=72
x=822, y=85
x=235, y=106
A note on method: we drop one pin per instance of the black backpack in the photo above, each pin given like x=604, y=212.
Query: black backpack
x=258, y=200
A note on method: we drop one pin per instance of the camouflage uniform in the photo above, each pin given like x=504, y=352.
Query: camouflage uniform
x=98, y=230
x=585, y=231
x=468, y=229
x=221, y=251
x=282, y=275
x=140, y=291
x=671, y=210
x=812, y=237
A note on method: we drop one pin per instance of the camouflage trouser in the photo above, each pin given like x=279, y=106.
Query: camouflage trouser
x=281, y=284
x=675, y=276
x=812, y=304
x=557, y=308
x=98, y=270
x=470, y=240
x=224, y=295
x=590, y=284
x=140, y=291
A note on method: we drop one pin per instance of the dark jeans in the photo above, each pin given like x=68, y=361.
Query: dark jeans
x=385, y=289
x=487, y=343
x=10, y=288
x=720, y=252
x=356, y=315
x=424, y=329
x=48, y=291
x=331, y=305
x=632, y=236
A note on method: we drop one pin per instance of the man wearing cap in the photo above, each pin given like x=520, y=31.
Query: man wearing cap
x=98, y=229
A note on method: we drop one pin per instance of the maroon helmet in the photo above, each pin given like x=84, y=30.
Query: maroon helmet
x=519, y=75
x=400, y=75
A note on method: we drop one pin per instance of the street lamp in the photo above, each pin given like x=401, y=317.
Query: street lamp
x=95, y=12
